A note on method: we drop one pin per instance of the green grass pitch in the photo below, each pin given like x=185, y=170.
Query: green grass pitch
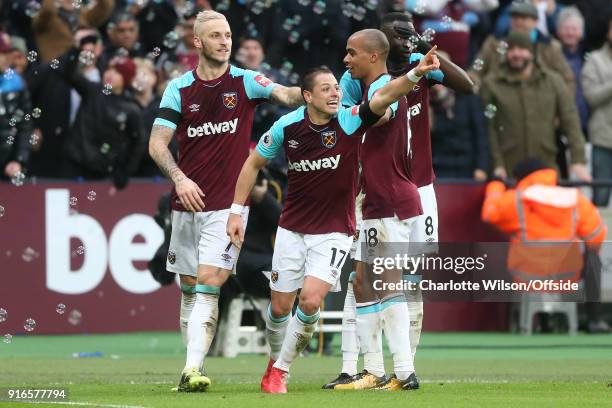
x=456, y=370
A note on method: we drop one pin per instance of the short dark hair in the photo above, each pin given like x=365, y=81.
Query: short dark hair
x=308, y=79
x=396, y=16
x=250, y=38
x=121, y=17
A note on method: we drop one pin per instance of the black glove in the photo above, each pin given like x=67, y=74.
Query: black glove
x=422, y=46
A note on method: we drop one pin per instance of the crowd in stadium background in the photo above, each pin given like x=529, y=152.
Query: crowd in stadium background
x=66, y=112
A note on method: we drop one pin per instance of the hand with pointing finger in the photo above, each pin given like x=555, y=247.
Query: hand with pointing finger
x=429, y=62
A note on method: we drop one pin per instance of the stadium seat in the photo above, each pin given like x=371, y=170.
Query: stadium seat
x=233, y=338
x=534, y=303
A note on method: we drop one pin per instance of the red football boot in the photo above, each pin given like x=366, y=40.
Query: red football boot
x=264, y=379
x=277, y=382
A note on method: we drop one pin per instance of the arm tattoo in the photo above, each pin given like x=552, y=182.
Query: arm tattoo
x=158, y=149
x=288, y=97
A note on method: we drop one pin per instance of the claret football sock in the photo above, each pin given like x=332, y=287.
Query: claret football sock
x=299, y=332
x=395, y=316
x=350, y=340
x=202, y=324
x=276, y=327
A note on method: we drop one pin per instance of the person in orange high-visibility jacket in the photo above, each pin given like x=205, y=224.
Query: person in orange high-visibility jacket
x=546, y=223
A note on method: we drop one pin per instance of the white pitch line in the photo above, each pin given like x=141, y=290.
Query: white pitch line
x=466, y=381
x=83, y=404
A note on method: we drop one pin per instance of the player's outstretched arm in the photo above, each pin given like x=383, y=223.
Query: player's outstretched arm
x=291, y=97
x=395, y=89
x=189, y=192
x=244, y=185
x=454, y=76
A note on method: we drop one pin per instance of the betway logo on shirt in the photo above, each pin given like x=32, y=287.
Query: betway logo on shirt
x=414, y=109
x=210, y=128
x=308, y=165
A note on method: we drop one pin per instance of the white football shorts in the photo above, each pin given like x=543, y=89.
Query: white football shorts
x=299, y=255
x=358, y=224
x=201, y=239
x=425, y=231
x=381, y=231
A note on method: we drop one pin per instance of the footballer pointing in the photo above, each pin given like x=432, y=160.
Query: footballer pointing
x=318, y=222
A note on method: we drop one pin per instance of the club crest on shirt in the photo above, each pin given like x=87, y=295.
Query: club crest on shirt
x=328, y=138
x=230, y=99
x=171, y=257
x=274, y=276
x=416, y=88
x=262, y=80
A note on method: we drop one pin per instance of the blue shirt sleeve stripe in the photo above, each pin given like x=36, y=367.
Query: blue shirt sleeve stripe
x=171, y=98
x=164, y=122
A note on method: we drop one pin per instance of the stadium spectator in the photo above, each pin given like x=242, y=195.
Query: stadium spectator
x=570, y=31
x=19, y=61
x=16, y=19
x=251, y=55
x=58, y=102
x=522, y=101
x=156, y=19
x=538, y=210
x=596, y=13
x=480, y=29
x=90, y=44
x=185, y=52
x=524, y=18
x=597, y=78
x=318, y=39
x=115, y=149
x=458, y=135
x=547, y=16
x=145, y=92
x=123, y=38
x=148, y=99
x=15, y=128
x=547, y=209
x=459, y=28
x=58, y=20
